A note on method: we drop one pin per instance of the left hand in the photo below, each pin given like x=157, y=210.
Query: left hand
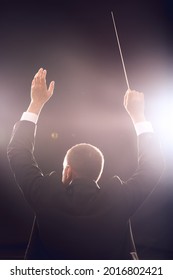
x=134, y=105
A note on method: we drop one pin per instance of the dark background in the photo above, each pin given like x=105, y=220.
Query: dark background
x=76, y=43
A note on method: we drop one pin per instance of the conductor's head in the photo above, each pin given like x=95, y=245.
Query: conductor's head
x=82, y=161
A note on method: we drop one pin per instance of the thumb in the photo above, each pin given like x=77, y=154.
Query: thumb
x=51, y=88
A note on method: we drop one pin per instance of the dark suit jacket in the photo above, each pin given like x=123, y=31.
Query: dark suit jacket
x=82, y=221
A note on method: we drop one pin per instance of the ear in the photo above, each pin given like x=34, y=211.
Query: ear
x=68, y=173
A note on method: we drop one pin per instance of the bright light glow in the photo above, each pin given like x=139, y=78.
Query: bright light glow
x=163, y=121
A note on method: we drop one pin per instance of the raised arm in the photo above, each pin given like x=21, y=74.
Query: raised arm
x=20, y=150
x=150, y=159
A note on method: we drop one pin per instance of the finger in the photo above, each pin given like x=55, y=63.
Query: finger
x=126, y=96
x=37, y=80
x=38, y=73
x=39, y=76
x=51, y=88
x=44, y=74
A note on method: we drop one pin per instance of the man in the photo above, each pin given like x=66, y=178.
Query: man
x=75, y=218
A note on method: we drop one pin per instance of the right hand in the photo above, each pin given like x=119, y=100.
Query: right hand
x=40, y=93
x=134, y=105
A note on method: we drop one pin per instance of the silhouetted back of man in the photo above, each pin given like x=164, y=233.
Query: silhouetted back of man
x=75, y=218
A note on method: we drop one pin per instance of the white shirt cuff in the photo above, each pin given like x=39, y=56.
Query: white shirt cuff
x=28, y=116
x=143, y=127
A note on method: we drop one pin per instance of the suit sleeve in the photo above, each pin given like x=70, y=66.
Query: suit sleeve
x=150, y=167
x=28, y=175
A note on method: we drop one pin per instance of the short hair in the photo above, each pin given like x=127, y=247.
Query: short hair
x=86, y=160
